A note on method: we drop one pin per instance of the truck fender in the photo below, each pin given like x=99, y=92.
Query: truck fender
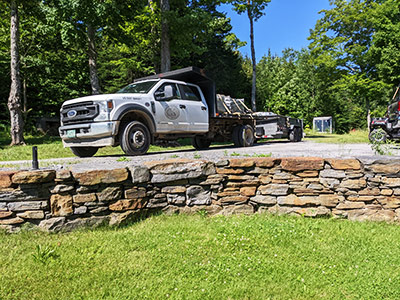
x=122, y=111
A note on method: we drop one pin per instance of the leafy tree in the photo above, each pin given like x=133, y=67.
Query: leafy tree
x=385, y=53
x=254, y=10
x=342, y=39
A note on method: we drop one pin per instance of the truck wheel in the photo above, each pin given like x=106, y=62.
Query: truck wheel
x=235, y=136
x=299, y=134
x=243, y=136
x=84, y=151
x=295, y=135
x=135, y=138
x=378, y=136
x=200, y=143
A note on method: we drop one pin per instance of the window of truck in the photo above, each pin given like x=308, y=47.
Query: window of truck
x=175, y=91
x=190, y=92
x=138, y=87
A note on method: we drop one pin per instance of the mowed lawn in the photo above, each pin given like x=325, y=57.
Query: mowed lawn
x=353, y=137
x=199, y=257
x=52, y=147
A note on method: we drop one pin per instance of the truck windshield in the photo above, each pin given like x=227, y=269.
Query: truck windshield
x=138, y=87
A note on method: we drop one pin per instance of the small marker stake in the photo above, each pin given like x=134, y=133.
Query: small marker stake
x=35, y=163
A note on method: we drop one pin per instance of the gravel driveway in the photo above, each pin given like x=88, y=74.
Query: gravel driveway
x=275, y=148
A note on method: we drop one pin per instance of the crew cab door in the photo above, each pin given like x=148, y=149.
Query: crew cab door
x=195, y=106
x=170, y=113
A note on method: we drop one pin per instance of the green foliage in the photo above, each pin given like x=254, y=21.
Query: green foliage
x=350, y=69
x=196, y=155
x=342, y=43
x=44, y=253
x=183, y=257
x=254, y=8
x=379, y=144
x=262, y=155
x=53, y=48
x=123, y=159
x=353, y=137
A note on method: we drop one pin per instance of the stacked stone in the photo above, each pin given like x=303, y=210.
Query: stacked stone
x=24, y=197
x=302, y=186
x=289, y=185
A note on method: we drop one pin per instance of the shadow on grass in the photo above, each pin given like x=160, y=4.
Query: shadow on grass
x=317, y=136
x=5, y=141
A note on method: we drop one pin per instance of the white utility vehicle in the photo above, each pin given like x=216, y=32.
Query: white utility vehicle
x=168, y=106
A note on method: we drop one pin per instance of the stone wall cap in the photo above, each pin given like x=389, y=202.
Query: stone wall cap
x=37, y=176
x=295, y=164
x=253, y=161
x=344, y=164
x=94, y=177
x=176, y=161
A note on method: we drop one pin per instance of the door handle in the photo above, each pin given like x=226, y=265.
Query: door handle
x=182, y=106
x=203, y=108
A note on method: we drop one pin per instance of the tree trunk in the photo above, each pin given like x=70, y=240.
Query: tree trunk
x=253, y=60
x=153, y=33
x=94, y=79
x=14, y=99
x=165, y=51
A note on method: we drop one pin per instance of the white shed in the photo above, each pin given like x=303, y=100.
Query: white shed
x=323, y=124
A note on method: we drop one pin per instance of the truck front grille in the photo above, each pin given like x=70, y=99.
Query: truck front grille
x=82, y=112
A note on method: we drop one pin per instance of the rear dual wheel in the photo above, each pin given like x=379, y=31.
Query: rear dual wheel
x=295, y=135
x=243, y=136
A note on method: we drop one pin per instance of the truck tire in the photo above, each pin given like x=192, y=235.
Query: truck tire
x=235, y=136
x=135, y=138
x=378, y=135
x=84, y=151
x=200, y=143
x=243, y=136
x=295, y=135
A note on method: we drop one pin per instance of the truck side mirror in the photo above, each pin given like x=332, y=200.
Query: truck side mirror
x=168, y=92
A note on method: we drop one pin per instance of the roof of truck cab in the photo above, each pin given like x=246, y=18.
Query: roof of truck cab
x=193, y=75
x=159, y=79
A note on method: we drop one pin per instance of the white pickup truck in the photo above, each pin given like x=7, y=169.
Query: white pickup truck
x=167, y=106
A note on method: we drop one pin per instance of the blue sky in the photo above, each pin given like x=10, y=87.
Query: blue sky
x=286, y=24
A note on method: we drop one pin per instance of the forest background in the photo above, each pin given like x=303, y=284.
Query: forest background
x=349, y=70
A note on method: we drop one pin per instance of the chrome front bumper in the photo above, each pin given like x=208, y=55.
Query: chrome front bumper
x=97, y=134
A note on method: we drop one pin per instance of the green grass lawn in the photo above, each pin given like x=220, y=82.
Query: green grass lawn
x=52, y=147
x=197, y=257
x=354, y=137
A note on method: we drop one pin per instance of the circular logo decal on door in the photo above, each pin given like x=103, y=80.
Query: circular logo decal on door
x=172, y=113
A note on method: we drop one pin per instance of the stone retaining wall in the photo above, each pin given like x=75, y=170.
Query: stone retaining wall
x=314, y=187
